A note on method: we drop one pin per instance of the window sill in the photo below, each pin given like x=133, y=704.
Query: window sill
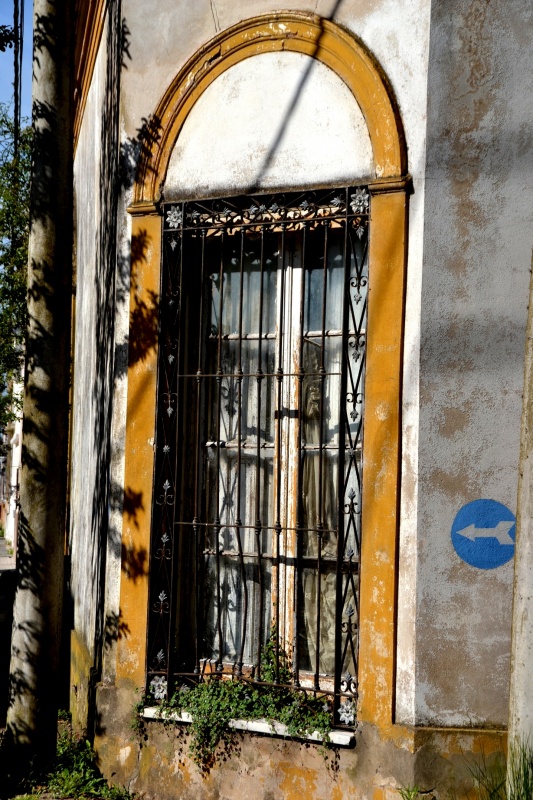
x=271, y=728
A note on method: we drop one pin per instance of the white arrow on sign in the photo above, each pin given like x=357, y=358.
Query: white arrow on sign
x=500, y=532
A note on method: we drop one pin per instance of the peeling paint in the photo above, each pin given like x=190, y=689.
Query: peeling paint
x=468, y=262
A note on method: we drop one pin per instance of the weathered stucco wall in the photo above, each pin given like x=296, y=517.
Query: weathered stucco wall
x=259, y=142
x=155, y=762
x=84, y=544
x=470, y=230
x=398, y=36
x=477, y=251
x=100, y=373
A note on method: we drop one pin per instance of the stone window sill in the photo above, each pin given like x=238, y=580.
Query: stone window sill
x=271, y=728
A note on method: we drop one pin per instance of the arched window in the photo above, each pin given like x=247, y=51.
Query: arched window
x=257, y=494
x=307, y=440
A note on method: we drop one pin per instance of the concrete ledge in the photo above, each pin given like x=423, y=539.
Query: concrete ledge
x=271, y=728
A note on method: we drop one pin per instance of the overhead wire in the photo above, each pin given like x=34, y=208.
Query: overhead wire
x=18, y=48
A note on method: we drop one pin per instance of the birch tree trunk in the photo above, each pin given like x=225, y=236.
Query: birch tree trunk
x=36, y=643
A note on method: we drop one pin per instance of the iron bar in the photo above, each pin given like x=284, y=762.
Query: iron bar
x=279, y=405
x=217, y=474
x=286, y=559
x=238, y=520
x=221, y=445
x=198, y=459
x=264, y=453
x=254, y=336
x=171, y=387
x=258, y=515
x=320, y=525
x=299, y=466
x=252, y=527
x=341, y=491
x=194, y=375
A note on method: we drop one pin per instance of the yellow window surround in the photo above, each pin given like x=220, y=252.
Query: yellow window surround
x=349, y=59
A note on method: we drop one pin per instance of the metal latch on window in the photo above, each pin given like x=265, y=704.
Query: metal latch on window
x=288, y=413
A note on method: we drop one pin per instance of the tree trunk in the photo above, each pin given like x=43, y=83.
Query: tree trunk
x=36, y=644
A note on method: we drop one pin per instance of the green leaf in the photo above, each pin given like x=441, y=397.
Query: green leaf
x=14, y=232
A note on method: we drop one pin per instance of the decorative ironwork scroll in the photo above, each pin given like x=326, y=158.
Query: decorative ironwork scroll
x=256, y=520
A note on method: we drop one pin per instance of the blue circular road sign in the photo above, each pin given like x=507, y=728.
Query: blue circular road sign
x=483, y=534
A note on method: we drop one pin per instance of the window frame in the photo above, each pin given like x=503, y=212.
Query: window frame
x=341, y=211
x=348, y=58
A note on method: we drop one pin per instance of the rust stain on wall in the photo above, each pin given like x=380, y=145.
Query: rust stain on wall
x=297, y=782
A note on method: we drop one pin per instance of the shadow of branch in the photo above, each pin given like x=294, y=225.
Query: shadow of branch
x=115, y=628
x=282, y=130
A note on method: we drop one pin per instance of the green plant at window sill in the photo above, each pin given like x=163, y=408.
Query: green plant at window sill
x=212, y=703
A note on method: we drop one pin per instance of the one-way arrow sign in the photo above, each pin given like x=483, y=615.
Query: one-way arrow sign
x=483, y=534
x=500, y=532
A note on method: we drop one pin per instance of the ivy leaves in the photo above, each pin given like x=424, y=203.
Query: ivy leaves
x=213, y=703
x=216, y=700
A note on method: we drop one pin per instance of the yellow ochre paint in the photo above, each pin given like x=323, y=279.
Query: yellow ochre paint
x=331, y=44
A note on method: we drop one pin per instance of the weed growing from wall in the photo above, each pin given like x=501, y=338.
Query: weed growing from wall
x=520, y=771
x=499, y=780
x=409, y=792
x=214, y=701
x=137, y=723
x=73, y=773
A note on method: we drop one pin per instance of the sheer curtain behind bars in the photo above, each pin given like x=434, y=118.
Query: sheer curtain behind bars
x=272, y=317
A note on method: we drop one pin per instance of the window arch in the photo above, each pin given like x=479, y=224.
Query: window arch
x=387, y=253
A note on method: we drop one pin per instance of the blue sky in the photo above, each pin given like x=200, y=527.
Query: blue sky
x=6, y=59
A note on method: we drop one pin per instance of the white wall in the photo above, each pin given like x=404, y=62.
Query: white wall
x=397, y=33
x=468, y=260
x=477, y=253
x=265, y=124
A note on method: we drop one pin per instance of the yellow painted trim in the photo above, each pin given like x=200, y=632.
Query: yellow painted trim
x=139, y=459
x=141, y=209
x=381, y=453
x=333, y=46
x=297, y=32
x=90, y=17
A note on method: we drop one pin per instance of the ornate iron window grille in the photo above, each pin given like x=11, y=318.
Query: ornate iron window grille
x=256, y=520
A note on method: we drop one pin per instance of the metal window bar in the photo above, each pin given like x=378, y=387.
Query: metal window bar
x=279, y=455
x=228, y=522
x=258, y=514
x=219, y=400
